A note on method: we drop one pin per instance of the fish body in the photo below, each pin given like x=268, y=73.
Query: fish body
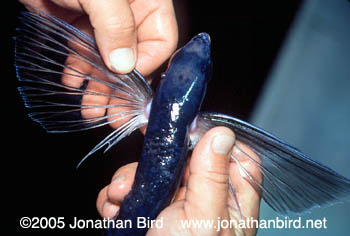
x=174, y=107
x=65, y=98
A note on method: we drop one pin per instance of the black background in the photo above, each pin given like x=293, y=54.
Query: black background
x=39, y=172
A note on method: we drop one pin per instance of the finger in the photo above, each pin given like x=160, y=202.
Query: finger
x=96, y=94
x=73, y=71
x=104, y=207
x=157, y=33
x=96, y=102
x=121, y=183
x=119, y=111
x=68, y=14
x=71, y=13
x=110, y=197
x=69, y=4
x=101, y=199
x=75, y=68
x=247, y=196
x=209, y=174
x=115, y=32
x=186, y=174
x=180, y=194
x=246, y=193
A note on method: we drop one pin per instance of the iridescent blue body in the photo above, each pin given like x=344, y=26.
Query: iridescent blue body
x=175, y=105
x=293, y=182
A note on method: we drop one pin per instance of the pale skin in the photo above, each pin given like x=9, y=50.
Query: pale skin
x=204, y=193
x=149, y=28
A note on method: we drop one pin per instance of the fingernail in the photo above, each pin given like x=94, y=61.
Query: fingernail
x=109, y=209
x=122, y=60
x=119, y=178
x=223, y=143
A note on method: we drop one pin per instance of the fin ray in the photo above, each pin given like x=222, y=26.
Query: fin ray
x=65, y=83
x=293, y=182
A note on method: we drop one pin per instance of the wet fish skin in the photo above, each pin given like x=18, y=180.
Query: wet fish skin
x=293, y=182
x=175, y=105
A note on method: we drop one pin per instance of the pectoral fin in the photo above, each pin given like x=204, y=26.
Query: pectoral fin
x=292, y=181
x=68, y=87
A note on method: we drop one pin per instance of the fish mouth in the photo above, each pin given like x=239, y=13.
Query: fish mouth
x=200, y=45
x=205, y=37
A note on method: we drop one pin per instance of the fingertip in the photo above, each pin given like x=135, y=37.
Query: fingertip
x=209, y=171
x=115, y=33
x=122, y=60
x=212, y=150
x=109, y=209
x=121, y=183
x=248, y=194
x=109, y=198
x=101, y=199
x=157, y=34
x=223, y=142
x=249, y=162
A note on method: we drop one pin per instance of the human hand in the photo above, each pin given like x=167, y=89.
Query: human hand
x=144, y=31
x=204, y=194
x=147, y=27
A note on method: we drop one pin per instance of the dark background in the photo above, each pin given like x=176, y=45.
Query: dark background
x=39, y=168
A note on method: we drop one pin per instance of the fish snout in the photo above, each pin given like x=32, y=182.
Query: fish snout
x=200, y=44
x=205, y=37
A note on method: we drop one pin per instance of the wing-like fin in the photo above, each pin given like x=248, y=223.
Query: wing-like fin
x=234, y=209
x=66, y=84
x=292, y=181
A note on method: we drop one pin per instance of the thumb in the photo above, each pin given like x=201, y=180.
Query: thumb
x=115, y=32
x=208, y=182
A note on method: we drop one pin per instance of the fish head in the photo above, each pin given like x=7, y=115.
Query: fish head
x=190, y=67
x=184, y=83
x=194, y=58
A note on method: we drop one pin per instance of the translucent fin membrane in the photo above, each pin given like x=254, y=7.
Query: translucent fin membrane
x=235, y=211
x=66, y=84
x=292, y=181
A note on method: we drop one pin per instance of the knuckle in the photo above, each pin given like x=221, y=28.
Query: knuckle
x=85, y=4
x=115, y=27
x=217, y=178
